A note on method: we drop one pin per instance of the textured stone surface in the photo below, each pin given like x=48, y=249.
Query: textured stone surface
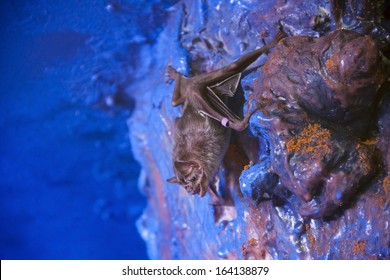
x=316, y=98
x=309, y=179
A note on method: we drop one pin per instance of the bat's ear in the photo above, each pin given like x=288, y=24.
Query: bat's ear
x=173, y=180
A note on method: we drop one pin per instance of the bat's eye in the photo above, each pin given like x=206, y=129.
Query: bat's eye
x=193, y=179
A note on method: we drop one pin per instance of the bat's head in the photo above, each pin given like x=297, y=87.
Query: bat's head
x=190, y=175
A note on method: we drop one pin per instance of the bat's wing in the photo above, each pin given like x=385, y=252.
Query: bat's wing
x=226, y=87
x=219, y=110
x=210, y=104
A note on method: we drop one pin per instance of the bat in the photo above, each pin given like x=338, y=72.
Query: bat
x=201, y=133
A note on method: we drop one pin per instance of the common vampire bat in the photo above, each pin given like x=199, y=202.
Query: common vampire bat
x=201, y=135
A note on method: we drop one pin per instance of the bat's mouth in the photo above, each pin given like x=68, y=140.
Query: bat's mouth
x=197, y=189
x=192, y=190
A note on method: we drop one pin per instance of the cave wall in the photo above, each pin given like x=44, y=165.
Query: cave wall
x=288, y=201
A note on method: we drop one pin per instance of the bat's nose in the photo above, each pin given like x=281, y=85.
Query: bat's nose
x=191, y=189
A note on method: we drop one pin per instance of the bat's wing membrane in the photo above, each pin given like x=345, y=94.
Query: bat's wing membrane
x=226, y=87
x=229, y=87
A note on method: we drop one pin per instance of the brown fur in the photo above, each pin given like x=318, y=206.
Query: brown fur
x=200, y=140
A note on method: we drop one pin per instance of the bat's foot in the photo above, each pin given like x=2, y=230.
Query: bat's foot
x=279, y=36
x=171, y=74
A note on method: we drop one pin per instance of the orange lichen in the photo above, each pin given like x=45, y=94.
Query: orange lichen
x=248, y=246
x=310, y=236
x=364, y=158
x=312, y=140
x=246, y=167
x=359, y=246
x=370, y=142
x=329, y=64
x=255, y=246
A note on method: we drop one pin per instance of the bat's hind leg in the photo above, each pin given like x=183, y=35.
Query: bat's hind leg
x=237, y=123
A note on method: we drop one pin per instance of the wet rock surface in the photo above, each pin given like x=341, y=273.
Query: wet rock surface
x=310, y=178
x=316, y=97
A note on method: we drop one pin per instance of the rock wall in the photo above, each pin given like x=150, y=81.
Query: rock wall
x=309, y=179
